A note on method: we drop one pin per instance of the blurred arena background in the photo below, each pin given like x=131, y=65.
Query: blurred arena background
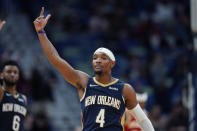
x=151, y=40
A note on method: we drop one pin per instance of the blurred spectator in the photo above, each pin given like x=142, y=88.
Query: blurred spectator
x=178, y=120
x=41, y=122
x=41, y=88
x=158, y=119
x=28, y=124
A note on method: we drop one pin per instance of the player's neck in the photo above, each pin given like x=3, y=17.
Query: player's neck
x=104, y=79
x=11, y=89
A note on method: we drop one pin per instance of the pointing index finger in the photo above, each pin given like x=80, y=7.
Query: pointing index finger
x=42, y=11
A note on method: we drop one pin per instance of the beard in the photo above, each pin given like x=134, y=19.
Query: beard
x=10, y=83
x=98, y=72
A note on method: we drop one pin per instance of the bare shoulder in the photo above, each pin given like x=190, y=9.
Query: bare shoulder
x=128, y=90
x=128, y=87
x=82, y=73
x=84, y=77
x=129, y=96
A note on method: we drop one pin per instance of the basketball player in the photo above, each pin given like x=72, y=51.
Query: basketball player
x=131, y=123
x=103, y=98
x=12, y=104
x=1, y=24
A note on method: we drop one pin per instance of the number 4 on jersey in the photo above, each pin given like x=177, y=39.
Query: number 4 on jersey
x=101, y=118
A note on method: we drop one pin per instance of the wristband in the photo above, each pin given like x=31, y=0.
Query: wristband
x=41, y=32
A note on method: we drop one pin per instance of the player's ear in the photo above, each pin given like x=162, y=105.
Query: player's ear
x=1, y=75
x=112, y=64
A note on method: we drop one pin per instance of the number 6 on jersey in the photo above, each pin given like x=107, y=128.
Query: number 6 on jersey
x=101, y=118
x=16, y=123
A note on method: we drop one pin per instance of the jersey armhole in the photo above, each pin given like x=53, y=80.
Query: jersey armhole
x=25, y=98
x=123, y=99
x=122, y=94
x=83, y=95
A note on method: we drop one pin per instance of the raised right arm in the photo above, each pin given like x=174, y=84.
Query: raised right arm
x=1, y=89
x=76, y=78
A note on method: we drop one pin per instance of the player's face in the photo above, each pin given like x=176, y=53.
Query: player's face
x=101, y=63
x=10, y=75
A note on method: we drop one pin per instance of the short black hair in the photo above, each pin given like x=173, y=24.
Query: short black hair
x=9, y=62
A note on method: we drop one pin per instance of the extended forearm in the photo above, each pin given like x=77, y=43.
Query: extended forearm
x=48, y=48
x=142, y=119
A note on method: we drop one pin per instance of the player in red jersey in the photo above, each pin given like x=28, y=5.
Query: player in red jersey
x=131, y=123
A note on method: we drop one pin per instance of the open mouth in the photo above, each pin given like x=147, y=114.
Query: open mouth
x=98, y=67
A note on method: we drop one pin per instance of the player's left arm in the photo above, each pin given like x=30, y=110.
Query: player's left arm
x=1, y=88
x=1, y=24
x=133, y=106
x=1, y=93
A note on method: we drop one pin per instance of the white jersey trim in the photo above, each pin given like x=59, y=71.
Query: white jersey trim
x=123, y=99
x=83, y=95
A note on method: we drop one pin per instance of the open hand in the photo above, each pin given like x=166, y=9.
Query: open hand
x=1, y=24
x=41, y=22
